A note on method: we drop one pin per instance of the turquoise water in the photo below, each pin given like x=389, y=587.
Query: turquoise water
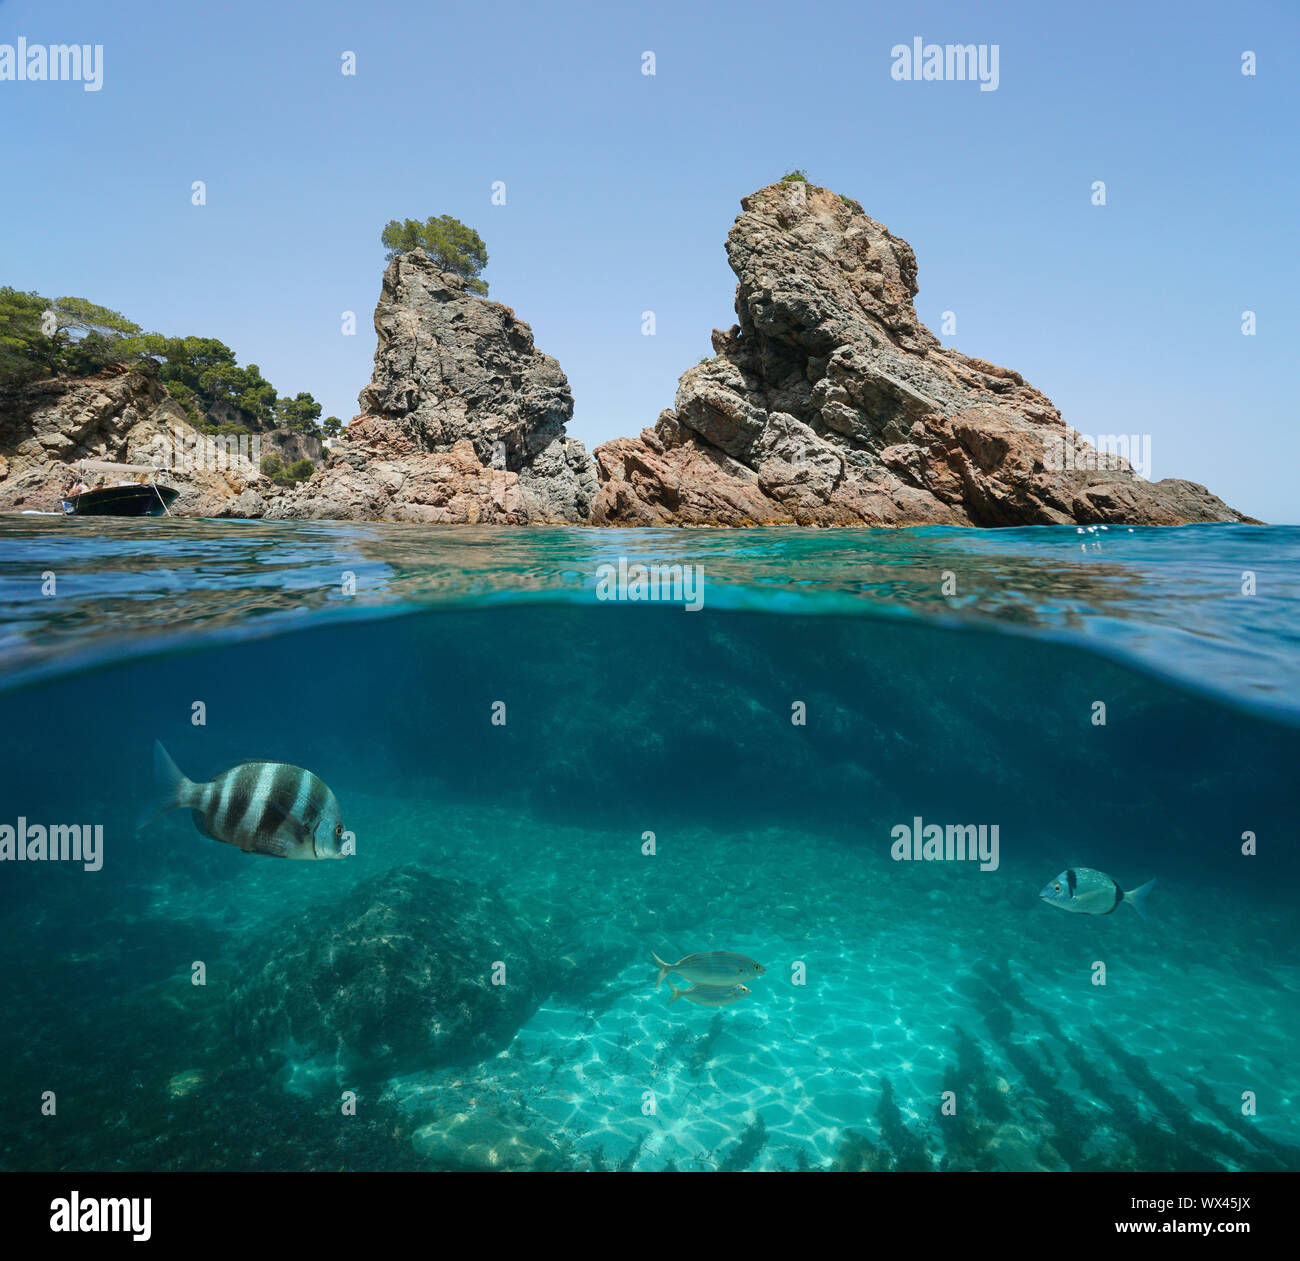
x=947, y=675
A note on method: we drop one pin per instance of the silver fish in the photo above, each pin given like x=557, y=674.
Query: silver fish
x=1088, y=892
x=709, y=995
x=718, y=967
x=259, y=807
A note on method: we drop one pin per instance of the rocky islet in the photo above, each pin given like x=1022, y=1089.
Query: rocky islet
x=827, y=403
x=830, y=403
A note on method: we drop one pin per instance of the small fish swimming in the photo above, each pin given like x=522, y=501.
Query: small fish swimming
x=1089, y=892
x=709, y=995
x=715, y=968
x=259, y=807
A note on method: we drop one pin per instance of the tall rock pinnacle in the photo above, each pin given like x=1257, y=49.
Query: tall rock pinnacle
x=463, y=420
x=829, y=403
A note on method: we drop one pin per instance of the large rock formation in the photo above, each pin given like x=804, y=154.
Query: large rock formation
x=831, y=404
x=127, y=417
x=397, y=977
x=463, y=422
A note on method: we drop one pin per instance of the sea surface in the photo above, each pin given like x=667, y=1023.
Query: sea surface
x=546, y=788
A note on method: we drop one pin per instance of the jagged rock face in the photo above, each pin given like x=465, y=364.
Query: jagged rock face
x=831, y=404
x=291, y=446
x=463, y=422
x=119, y=415
x=375, y=482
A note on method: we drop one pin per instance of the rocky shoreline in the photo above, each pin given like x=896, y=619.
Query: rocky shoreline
x=828, y=404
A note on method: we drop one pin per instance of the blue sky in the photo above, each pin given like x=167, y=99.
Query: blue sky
x=620, y=188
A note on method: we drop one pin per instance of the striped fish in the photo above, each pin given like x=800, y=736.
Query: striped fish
x=709, y=995
x=717, y=967
x=259, y=807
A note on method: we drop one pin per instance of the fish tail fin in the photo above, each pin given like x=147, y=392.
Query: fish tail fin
x=676, y=993
x=664, y=968
x=176, y=789
x=1139, y=897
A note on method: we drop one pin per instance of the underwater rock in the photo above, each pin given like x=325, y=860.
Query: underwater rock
x=485, y=1140
x=395, y=978
x=1015, y=1148
x=830, y=403
x=181, y=1084
x=463, y=421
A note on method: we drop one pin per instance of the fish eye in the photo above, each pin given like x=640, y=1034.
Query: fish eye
x=338, y=831
x=1056, y=888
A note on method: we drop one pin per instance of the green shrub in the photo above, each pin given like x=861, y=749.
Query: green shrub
x=75, y=337
x=274, y=468
x=795, y=177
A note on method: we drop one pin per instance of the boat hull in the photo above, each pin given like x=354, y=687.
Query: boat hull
x=122, y=501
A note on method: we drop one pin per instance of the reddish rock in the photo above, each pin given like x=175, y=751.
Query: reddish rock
x=830, y=403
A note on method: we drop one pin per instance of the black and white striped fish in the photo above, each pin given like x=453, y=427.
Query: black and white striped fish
x=259, y=807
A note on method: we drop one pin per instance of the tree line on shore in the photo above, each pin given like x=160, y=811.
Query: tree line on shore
x=73, y=337
x=42, y=338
